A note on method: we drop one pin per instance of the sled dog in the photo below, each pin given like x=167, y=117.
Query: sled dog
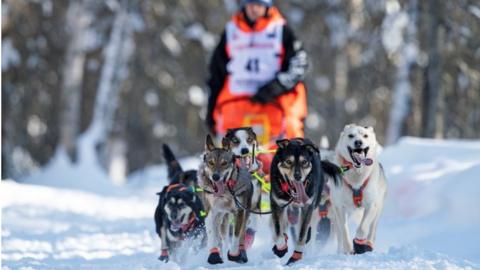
x=243, y=142
x=362, y=189
x=297, y=179
x=180, y=213
x=227, y=191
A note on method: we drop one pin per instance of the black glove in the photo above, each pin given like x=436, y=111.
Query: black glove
x=269, y=92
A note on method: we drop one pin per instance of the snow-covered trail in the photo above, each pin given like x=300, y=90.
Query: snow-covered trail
x=430, y=220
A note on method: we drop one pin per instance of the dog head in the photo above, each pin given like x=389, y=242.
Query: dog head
x=180, y=205
x=295, y=162
x=188, y=178
x=357, y=145
x=242, y=141
x=219, y=164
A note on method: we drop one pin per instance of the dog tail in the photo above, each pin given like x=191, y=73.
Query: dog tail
x=173, y=166
x=333, y=171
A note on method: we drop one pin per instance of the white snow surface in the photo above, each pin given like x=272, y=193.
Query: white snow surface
x=430, y=220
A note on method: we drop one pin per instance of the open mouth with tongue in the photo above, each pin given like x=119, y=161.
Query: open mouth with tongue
x=298, y=192
x=359, y=156
x=176, y=225
x=218, y=188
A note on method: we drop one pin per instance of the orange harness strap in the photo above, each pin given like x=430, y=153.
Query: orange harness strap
x=357, y=194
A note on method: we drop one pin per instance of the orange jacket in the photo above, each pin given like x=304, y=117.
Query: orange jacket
x=230, y=108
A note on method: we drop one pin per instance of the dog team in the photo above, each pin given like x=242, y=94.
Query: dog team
x=310, y=196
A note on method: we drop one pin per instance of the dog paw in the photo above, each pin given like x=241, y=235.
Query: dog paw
x=214, y=258
x=241, y=257
x=164, y=256
x=296, y=256
x=361, y=246
x=280, y=252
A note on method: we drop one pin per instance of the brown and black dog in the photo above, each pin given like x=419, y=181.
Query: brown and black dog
x=225, y=186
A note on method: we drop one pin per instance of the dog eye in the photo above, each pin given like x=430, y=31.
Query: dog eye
x=235, y=140
x=249, y=140
x=211, y=163
x=365, y=136
x=304, y=163
x=288, y=162
x=350, y=136
x=223, y=163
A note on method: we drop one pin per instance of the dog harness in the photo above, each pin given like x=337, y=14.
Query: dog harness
x=357, y=194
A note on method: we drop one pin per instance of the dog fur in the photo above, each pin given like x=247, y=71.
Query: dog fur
x=243, y=142
x=220, y=177
x=297, y=176
x=357, y=150
x=178, y=213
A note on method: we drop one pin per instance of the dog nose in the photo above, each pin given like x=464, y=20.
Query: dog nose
x=244, y=151
x=358, y=143
x=216, y=177
x=297, y=176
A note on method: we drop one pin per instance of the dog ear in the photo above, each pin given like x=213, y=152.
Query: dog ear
x=209, y=145
x=348, y=126
x=226, y=143
x=283, y=143
x=370, y=129
x=312, y=148
x=252, y=133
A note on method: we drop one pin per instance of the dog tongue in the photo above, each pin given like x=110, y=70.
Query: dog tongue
x=219, y=188
x=301, y=196
x=363, y=160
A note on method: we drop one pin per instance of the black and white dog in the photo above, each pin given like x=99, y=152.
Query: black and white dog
x=243, y=143
x=297, y=178
x=180, y=213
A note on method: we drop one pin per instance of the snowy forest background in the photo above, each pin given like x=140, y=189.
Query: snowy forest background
x=131, y=74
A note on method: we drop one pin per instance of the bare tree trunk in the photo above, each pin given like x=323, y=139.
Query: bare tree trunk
x=432, y=87
x=402, y=92
x=117, y=54
x=77, y=23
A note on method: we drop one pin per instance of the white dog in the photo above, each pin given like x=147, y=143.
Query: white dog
x=362, y=190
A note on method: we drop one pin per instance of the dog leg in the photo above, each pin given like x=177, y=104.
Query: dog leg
x=213, y=223
x=237, y=252
x=360, y=242
x=373, y=228
x=164, y=256
x=343, y=236
x=303, y=235
x=279, y=223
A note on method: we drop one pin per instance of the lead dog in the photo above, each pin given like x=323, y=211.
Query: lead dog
x=362, y=190
x=297, y=179
x=225, y=186
x=243, y=142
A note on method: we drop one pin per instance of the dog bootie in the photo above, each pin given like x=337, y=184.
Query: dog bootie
x=296, y=256
x=240, y=257
x=361, y=246
x=164, y=256
x=214, y=257
x=280, y=252
x=249, y=237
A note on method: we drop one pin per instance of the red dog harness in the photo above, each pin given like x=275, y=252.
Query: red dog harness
x=357, y=194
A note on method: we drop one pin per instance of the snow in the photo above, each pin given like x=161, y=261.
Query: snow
x=429, y=220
